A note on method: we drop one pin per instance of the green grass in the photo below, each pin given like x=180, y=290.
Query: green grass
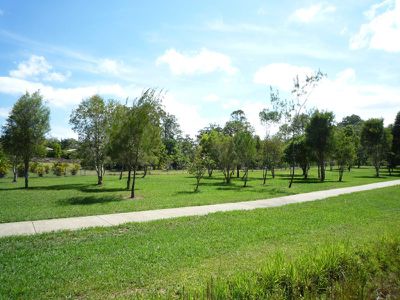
x=163, y=256
x=56, y=197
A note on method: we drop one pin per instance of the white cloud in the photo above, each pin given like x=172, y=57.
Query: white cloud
x=62, y=132
x=382, y=32
x=60, y=96
x=280, y=75
x=37, y=67
x=4, y=112
x=113, y=67
x=312, y=13
x=202, y=62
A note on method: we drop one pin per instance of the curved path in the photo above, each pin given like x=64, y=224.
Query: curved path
x=40, y=226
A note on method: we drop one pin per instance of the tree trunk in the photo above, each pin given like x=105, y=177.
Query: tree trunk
x=245, y=176
x=237, y=171
x=292, y=176
x=265, y=170
x=100, y=172
x=133, y=183
x=145, y=171
x=273, y=172
x=128, y=181
x=197, y=184
x=377, y=170
x=26, y=172
x=322, y=171
x=14, y=173
x=341, y=170
x=120, y=173
x=210, y=171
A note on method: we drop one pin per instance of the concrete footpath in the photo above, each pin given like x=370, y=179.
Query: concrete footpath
x=40, y=226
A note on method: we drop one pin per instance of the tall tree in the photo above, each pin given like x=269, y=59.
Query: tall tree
x=25, y=129
x=226, y=155
x=245, y=150
x=344, y=150
x=302, y=154
x=291, y=110
x=319, y=136
x=273, y=154
x=373, y=138
x=91, y=120
x=141, y=131
x=396, y=139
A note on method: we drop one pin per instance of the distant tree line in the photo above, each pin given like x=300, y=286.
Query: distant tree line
x=142, y=136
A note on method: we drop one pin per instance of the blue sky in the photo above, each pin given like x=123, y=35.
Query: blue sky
x=210, y=58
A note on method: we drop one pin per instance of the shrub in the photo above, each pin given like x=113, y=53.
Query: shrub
x=40, y=170
x=46, y=169
x=75, y=168
x=3, y=167
x=33, y=167
x=59, y=169
x=65, y=167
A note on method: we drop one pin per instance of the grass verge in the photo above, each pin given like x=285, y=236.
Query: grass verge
x=162, y=257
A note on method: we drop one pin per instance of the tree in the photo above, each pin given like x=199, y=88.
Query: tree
x=302, y=154
x=396, y=139
x=373, y=138
x=207, y=139
x=319, y=137
x=272, y=154
x=91, y=121
x=25, y=129
x=226, y=155
x=140, y=131
x=197, y=168
x=344, y=150
x=245, y=150
x=291, y=110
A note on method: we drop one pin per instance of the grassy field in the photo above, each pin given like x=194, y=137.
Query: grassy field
x=55, y=197
x=171, y=256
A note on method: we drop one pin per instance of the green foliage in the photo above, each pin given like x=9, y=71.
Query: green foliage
x=25, y=128
x=299, y=150
x=396, y=140
x=59, y=168
x=4, y=165
x=20, y=170
x=33, y=167
x=374, y=139
x=227, y=157
x=197, y=168
x=91, y=120
x=344, y=150
x=40, y=170
x=75, y=168
x=319, y=137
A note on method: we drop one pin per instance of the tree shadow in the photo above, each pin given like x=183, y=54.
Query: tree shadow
x=88, y=200
x=85, y=188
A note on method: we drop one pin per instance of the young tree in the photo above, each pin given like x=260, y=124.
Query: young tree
x=373, y=138
x=226, y=155
x=291, y=110
x=272, y=154
x=25, y=129
x=302, y=154
x=344, y=150
x=91, y=120
x=245, y=149
x=396, y=140
x=141, y=131
x=319, y=137
x=197, y=168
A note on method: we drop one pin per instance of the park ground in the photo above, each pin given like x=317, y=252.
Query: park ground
x=68, y=196
x=346, y=246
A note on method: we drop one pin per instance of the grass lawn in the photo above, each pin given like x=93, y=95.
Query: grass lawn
x=162, y=256
x=56, y=197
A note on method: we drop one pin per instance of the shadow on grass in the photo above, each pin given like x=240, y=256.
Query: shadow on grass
x=88, y=200
x=85, y=188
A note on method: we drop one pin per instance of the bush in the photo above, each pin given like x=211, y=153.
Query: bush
x=75, y=168
x=40, y=170
x=3, y=167
x=59, y=169
x=46, y=169
x=33, y=167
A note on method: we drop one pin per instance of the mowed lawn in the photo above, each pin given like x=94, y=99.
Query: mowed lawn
x=140, y=259
x=56, y=197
